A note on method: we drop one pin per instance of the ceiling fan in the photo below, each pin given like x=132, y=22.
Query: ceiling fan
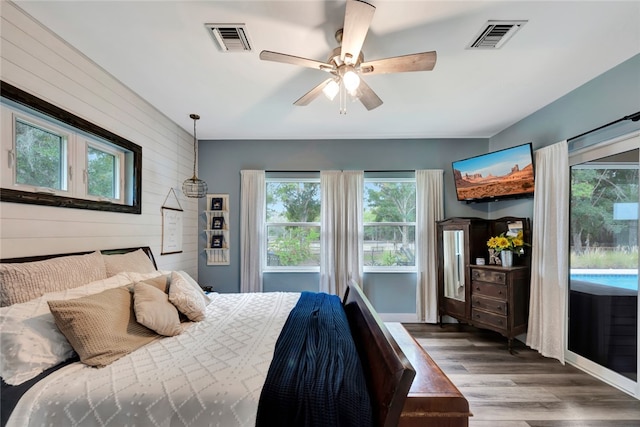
x=346, y=63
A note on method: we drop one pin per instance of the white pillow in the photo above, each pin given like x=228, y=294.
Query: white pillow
x=195, y=284
x=188, y=298
x=30, y=341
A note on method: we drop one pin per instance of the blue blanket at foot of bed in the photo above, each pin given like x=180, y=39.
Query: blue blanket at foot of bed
x=315, y=377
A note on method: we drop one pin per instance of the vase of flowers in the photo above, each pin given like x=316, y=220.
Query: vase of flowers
x=506, y=245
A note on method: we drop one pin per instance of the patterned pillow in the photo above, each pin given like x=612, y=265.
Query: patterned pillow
x=102, y=327
x=190, y=300
x=153, y=310
x=136, y=261
x=30, y=341
x=22, y=282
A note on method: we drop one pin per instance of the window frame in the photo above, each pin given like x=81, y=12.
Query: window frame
x=131, y=170
x=390, y=268
x=287, y=268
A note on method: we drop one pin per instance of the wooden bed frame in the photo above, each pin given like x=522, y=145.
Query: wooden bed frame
x=407, y=388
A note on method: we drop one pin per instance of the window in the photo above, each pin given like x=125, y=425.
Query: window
x=40, y=155
x=58, y=159
x=389, y=224
x=293, y=224
x=104, y=172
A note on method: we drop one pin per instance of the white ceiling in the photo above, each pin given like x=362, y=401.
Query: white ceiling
x=162, y=51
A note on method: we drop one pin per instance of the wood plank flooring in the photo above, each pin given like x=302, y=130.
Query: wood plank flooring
x=523, y=389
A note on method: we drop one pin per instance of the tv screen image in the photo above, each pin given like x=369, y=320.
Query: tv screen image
x=498, y=175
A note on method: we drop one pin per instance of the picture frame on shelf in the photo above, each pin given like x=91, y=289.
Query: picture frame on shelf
x=216, y=204
x=217, y=223
x=217, y=241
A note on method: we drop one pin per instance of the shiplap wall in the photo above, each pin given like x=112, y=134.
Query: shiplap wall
x=39, y=62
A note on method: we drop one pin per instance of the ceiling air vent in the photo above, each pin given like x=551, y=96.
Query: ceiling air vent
x=495, y=34
x=230, y=37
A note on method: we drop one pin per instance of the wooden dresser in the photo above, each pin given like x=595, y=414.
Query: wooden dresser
x=500, y=299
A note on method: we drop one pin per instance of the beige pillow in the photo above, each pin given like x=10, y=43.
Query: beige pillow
x=22, y=282
x=159, y=282
x=153, y=310
x=102, y=327
x=189, y=300
x=136, y=261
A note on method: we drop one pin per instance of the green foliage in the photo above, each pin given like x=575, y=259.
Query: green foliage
x=39, y=157
x=102, y=173
x=593, y=194
x=294, y=248
x=390, y=202
x=605, y=259
x=300, y=199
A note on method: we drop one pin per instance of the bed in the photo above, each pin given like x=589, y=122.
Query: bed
x=210, y=371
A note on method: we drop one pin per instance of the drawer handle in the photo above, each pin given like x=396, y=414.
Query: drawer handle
x=499, y=292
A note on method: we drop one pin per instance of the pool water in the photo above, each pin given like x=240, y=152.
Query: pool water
x=626, y=281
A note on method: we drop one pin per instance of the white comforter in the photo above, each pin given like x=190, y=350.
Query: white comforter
x=210, y=375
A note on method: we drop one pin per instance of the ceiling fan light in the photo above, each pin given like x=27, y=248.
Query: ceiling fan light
x=331, y=90
x=351, y=81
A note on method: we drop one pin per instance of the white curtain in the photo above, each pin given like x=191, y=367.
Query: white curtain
x=429, y=210
x=341, y=230
x=252, y=205
x=549, y=252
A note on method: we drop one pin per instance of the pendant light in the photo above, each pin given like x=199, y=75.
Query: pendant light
x=194, y=187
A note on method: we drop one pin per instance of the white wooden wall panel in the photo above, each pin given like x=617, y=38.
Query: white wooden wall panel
x=39, y=62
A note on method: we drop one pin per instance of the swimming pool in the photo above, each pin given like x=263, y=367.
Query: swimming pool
x=626, y=281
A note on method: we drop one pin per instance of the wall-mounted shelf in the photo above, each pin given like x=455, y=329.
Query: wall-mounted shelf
x=217, y=229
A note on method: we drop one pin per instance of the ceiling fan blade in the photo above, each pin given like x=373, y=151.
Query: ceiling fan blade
x=368, y=97
x=312, y=94
x=267, y=55
x=424, y=61
x=357, y=18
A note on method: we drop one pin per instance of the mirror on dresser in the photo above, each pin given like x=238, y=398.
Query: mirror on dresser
x=453, y=264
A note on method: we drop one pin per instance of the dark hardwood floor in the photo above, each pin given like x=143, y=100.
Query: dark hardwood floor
x=523, y=389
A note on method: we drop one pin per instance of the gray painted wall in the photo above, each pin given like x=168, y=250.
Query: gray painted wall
x=608, y=97
x=220, y=163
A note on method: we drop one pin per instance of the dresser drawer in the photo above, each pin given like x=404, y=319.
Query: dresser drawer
x=489, y=304
x=488, y=276
x=489, y=290
x=485, y=317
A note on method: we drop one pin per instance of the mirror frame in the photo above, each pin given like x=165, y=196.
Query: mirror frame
x=19, y=96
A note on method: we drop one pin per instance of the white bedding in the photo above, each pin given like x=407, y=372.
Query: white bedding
x=210, y=375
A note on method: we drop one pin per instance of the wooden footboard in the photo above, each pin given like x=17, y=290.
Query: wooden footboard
x=433, y=400
x=407, y=386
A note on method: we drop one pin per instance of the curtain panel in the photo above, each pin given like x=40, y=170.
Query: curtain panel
x=429, y=210
x=342, y=234
x=252, y=233
x=550, y=252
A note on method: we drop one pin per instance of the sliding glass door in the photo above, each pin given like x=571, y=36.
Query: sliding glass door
x=603, y=284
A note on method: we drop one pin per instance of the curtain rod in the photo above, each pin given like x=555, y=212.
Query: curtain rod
x=633, y=117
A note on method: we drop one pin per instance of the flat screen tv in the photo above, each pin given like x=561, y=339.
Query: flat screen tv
x=497, y=175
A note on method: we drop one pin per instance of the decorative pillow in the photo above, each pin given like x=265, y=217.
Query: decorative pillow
x=159, y=282
x=153, y=309
x=25, y=281
x=141, y=277
x=102, y=327
x=30, y=341
x=189, y=300
x=136, y=261
x=195, y=284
